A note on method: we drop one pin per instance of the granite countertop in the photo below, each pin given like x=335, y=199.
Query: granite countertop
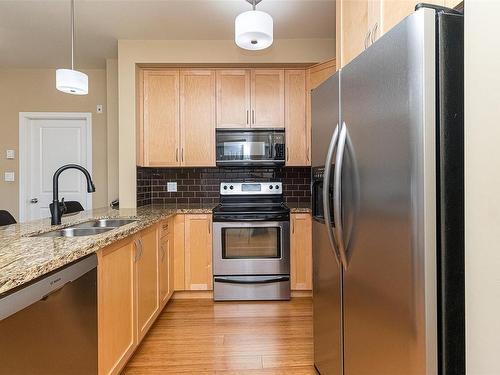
x=299, y=208
x=24, y=258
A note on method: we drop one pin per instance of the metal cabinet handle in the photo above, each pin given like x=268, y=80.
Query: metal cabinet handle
x=253, y=117
x=307, y=153
x=287, y=154
x=293, y=225
x=209, y=230
x=182, y=154
x=176, y=154
x=366, y=40
x=247, y=115
x=34, y=200
x=374, y=32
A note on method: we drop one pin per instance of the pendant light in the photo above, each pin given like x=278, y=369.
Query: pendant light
x=253, y=29
x=72, y=81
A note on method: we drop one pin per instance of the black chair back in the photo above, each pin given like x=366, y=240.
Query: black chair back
x=6, y=218
x=71, y=207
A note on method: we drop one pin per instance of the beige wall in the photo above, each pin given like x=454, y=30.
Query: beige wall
x=482, y=187
x=33, y=90
x=132, y=52
x=112, y=127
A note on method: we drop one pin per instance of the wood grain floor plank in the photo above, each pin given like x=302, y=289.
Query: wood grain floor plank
x=226, y=338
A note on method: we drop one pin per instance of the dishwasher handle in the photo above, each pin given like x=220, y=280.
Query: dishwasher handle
x=41, y=288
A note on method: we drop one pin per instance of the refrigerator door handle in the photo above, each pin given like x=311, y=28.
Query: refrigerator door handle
x=337, y=194
x=326, y=194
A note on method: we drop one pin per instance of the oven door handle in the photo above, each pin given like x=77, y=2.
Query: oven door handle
x=272, y=279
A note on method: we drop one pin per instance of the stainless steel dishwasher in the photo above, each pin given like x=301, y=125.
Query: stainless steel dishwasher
x=50, y=325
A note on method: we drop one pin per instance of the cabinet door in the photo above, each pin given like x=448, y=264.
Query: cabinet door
x=268, y=98
x=233, y=98
x=393, y=11
x=147, y=280
x=198, y=252
x=297, y=131
x=179, y=253
x=301, y=252
x=164, y=264
x=116, y=306
x=352, y=26
x=197, y=100
x=161, y=117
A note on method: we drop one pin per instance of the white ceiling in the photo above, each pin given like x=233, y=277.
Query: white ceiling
x=37, y=33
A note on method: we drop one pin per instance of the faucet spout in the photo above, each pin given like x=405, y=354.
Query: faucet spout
x=58, y=210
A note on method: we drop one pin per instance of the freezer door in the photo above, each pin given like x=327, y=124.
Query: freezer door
x=387, y=203
x=327, y=278
x=326, y=304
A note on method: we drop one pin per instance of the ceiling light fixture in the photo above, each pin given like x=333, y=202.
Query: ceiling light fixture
x=253, y=29
x=72, y=81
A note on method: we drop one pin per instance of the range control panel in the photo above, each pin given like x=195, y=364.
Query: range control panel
x=251, y=188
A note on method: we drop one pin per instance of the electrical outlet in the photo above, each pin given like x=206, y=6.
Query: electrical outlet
x=9, y=177
x=10, y=154
x=99, y=108
x=171, y=186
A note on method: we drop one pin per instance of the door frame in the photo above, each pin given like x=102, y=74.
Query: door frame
x=24, y=139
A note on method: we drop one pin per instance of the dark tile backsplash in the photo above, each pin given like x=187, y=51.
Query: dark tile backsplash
x=201, y=185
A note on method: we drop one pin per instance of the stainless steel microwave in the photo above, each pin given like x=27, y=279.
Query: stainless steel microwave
x=248, y=147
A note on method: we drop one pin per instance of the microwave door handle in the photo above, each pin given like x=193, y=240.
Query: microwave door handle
x=326, y=194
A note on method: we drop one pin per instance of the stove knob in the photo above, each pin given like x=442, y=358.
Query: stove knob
x=231, y=187
x=277, y=187
x=271, y=187
x=225, y=187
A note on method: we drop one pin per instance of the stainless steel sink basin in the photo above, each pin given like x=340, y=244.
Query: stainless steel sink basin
x=74, y=232
x=104, y=223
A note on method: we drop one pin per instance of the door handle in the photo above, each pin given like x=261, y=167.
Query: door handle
x=247, y=116
x=337, y=193
x=34, y=200
x=209, y=230
x=253, y=117
x=287, y=154
x=326, y=194
x=176, y=154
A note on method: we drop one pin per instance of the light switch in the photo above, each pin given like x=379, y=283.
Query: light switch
x=172, y=186
x=11, y=154
x=9, y=176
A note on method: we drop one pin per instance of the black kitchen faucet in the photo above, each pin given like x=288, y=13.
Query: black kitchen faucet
x=58, y=208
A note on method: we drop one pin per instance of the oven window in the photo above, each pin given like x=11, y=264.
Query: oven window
x=238, y=243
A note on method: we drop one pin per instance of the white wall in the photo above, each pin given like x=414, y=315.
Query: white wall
x=132, y=52
x=482, y=186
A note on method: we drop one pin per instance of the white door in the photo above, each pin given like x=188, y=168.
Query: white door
x=47, y=142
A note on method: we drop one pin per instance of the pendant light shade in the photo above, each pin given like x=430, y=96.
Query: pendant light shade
x=253, y=30
x=72, y=81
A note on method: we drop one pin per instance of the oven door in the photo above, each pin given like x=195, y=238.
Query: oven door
x=251, y=248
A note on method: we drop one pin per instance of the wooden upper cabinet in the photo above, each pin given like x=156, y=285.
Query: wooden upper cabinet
x=116, y=306
x=297, y=131
x=197, y=116
x=301, y=252
x=198, y=252
x=268, y=98
x=233, y=98
x=160, y=128
x=147, y=279
x=352, y=27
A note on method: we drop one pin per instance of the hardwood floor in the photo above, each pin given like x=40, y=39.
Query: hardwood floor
x=225, y=338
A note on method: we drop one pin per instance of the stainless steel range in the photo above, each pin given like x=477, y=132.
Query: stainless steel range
x=251, y=244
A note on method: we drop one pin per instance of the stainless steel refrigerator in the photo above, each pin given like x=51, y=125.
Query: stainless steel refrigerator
x=387, y=188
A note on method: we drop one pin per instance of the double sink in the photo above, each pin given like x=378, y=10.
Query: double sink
x=87, y=228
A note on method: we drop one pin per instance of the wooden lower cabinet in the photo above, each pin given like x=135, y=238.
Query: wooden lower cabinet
x=147, y=280
x=198, y=252
x=301, y=252
x=166, y=262
x=117, y=333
